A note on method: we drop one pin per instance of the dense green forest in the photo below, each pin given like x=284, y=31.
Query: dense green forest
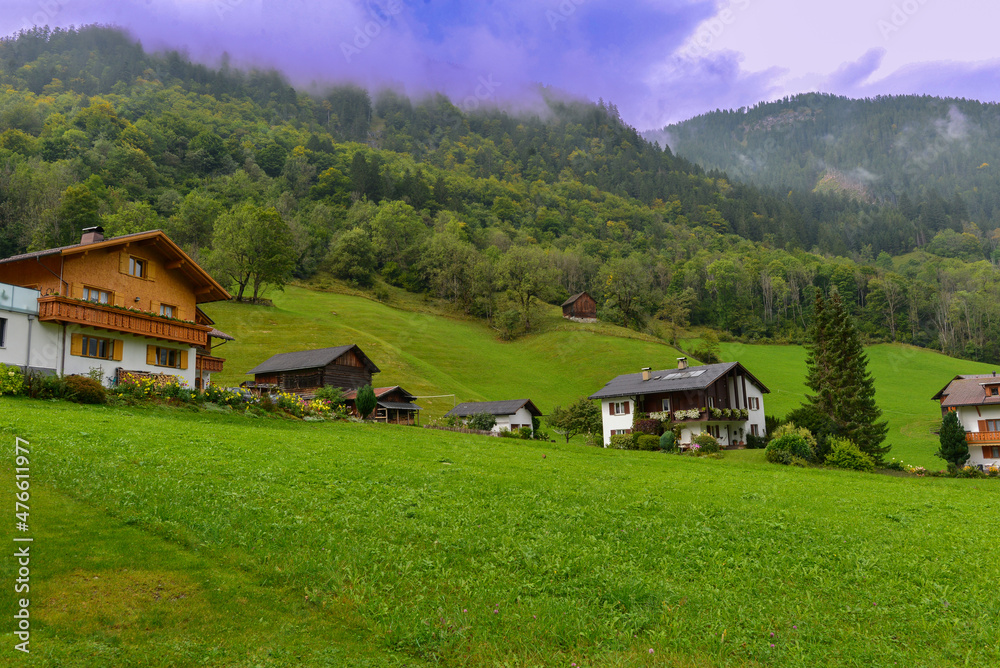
x=935, y=162
x=489, y=210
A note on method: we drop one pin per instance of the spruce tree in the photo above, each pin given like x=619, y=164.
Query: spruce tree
x=954, y=448
x=365, y=401
x=838, y=374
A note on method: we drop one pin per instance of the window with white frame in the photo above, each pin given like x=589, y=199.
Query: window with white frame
x=754, y=403
x=619, y=432
x=666, y=405
x=3, y=332
x=711, y=402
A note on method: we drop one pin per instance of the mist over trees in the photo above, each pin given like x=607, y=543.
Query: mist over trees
x=492, y=212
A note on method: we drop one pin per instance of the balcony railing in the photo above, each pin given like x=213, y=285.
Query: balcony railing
x=983, y=437
x=55, y=308
x=208, y=363
x=710, y=415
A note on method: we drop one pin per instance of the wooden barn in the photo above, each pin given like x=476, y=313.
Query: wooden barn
x=305, y=371
x=395, y=405
x=580, y=307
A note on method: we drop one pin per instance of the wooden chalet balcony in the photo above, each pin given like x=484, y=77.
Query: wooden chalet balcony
x=56, y=308
x=208, y=363
x=983, y=437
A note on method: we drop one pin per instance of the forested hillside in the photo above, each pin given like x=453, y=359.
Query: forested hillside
x=489, y=210
x=935, y=162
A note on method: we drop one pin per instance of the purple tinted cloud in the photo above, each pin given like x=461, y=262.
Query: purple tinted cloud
x=658, y=60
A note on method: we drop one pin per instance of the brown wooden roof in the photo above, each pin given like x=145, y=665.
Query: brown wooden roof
x=968, y=391
x=211, y=290
x=575, y=297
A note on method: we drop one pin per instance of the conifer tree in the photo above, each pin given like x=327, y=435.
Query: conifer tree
x=838, y=374
x=954, y=448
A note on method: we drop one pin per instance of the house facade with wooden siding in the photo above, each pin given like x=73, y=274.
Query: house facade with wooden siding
x=976, y=400
x=724, y=400
x=581, y=307
x=124, y=305
x=394, y=405
x=305, y=371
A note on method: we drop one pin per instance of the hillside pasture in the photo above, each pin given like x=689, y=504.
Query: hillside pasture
x=472, y=551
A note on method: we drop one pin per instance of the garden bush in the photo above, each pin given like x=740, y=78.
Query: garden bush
x=755, y=442
x=482, y=421
x=623, y=441
x=648, y=426
x=844, y=454
x=44, y=386
x=525, y=433
x=668, y=441
x=706, y=443
x=648, y=442
x=85, y=390
x=11, y=380
x=334, y=395
x=789, y=443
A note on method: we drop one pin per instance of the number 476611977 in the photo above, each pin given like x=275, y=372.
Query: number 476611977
x=23, y=482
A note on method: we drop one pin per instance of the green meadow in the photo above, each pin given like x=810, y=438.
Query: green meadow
x=430, y=352
x=169, y=537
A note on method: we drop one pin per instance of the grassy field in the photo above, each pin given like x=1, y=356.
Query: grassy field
x=170, y=537
x=417, y=345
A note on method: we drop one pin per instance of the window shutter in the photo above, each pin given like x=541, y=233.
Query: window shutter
x=627, y=407
x=150, y=354
x=123, y=263
x=76, y=345
x=982, y=425
x=116, y=349
x=150, y=270
x=987, y=452
x=155, y=308
x=119, y=300
x=77, y=291
x=184, y=359
x=611, y=408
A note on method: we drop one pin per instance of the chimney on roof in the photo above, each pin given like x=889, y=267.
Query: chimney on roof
x=682, y=362
x=645, y=373
x=91, y=235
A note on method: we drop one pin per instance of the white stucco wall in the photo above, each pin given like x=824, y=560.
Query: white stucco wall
x=29, y=343
x=970, y=417
x=522, y=417
x=614, y=422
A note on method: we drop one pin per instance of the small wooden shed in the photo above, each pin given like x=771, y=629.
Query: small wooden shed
x=305, y=371
x=580, y=306
x=394, y=405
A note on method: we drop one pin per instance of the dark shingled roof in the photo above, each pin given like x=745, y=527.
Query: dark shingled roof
x=218, y=334
x=309, y=359
x=575, y=297
x=395, y=405
x=968, y=391
x=671, y=380
x=493, y=408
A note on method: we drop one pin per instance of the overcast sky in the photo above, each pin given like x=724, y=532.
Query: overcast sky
x=660, y=61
